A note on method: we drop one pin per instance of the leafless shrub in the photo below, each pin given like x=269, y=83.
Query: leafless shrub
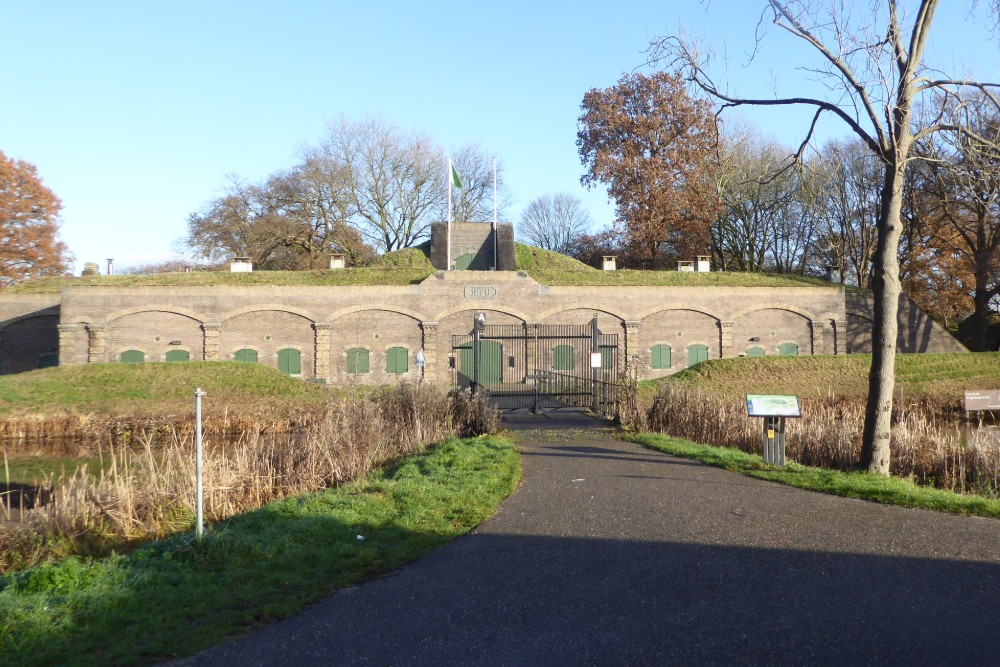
x=148, y=488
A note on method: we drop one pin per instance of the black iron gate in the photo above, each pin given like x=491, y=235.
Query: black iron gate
x=540, y=367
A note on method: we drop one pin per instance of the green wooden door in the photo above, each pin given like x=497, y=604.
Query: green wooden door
x=472, y=262
x=248, y=356
x=289, y=361
x=133, y=357
x=490, y=361
x=562, y=358
x=788, y=350
x=755, y=352
x=177, y=355
x=697, y=353
x=607, y=357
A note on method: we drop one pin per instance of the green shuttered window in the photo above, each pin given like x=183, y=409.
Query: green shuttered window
x=248, y=356
x=177, y=355
x=397, y=360
x=290, y=361
x=696, y=354
x=133, y=357
x=357, y=361
x=788, y=350
x=661, y=357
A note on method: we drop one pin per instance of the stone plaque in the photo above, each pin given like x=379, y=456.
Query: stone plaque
x=480, y=292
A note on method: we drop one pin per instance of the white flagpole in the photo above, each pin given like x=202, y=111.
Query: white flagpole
x=448, y=268
x=496, y=243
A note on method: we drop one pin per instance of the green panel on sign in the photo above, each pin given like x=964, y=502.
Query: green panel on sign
x=562, y=358
x=755, y=352
x=357, y=361
x=490, y=361
x=133, y=357
x=248, y=356
x=662, y=357
x=788, y=350
x=289, y=361
x=397, y=360
x=697, y=353
x=472, y=262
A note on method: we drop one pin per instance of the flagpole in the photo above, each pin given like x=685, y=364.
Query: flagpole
x=448, y=267
x=496, y=243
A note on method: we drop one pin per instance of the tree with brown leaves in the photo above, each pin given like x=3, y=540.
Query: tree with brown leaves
x=29, y=225
x=654, y=148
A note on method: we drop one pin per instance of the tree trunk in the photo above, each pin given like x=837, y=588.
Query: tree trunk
x=885, y=284
x=977, y=333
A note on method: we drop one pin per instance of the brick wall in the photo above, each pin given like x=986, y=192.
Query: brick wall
x=323, y=324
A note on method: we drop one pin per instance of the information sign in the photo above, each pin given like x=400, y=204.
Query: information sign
x=982, y=400
x=768, y=405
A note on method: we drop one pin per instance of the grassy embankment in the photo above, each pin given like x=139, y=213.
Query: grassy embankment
x=707, y=404
x=181, y=595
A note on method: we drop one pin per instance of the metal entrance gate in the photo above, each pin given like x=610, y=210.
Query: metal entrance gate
x=540, y=367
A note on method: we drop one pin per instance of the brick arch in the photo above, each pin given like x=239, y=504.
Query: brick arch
x=27, y=316
x=135, y=310
x=483, y=307
x=301, y=312
x=578, y=306
x=389, y=309
x=662, y=309
x=776, y=306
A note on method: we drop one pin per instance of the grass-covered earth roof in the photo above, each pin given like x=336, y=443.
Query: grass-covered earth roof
x=412, y=265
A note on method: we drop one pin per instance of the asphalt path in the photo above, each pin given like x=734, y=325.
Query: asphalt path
x=612, y=554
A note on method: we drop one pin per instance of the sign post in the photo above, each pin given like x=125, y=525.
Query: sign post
x=199, y=492
x=774, y=409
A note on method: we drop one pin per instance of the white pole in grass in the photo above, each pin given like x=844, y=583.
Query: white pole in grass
x=199, y=494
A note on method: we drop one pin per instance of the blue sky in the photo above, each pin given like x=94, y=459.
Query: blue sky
x=135, y=112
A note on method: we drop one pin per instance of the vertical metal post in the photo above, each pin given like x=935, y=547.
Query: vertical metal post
x=199, y=493
x=595, y=346
x=475, y=354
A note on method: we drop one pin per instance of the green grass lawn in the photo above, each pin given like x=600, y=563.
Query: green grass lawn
x=181, y=595
x=866, y=486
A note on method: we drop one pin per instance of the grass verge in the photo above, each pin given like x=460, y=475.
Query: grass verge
x=888, y=490
x=256, y=567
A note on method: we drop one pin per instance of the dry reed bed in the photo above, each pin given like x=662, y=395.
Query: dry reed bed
x=149, y=490
x=829, y=435
x=73, y=434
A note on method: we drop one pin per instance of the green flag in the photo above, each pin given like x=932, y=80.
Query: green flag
x=455, y=180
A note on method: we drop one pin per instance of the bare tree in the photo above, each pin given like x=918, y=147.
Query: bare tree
x=872, y=67
x=757, y=192
x=850, y=179
x=473, y=202
x=554, y=222
x=395, y=180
